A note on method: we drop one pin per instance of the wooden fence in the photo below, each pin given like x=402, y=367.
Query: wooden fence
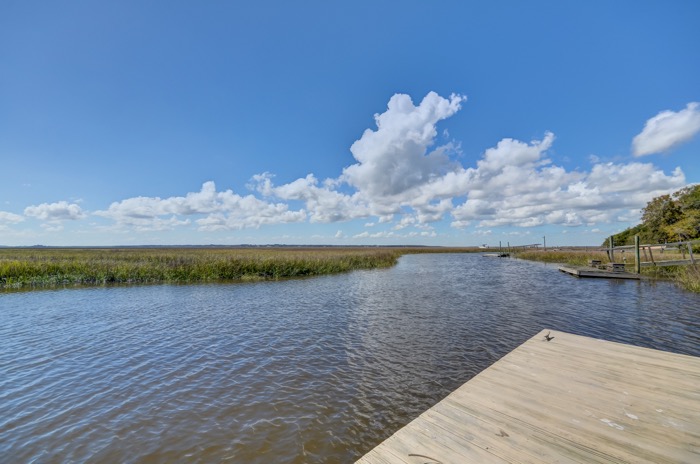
x=647, y=252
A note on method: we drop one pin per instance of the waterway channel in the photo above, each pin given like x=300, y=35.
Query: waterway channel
x=296, y=371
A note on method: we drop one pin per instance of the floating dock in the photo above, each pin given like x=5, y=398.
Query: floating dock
x=586, y=271
x=569, y=400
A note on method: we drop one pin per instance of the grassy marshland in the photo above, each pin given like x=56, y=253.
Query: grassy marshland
x=687, y=277
x=47, y=267
x=573, y=258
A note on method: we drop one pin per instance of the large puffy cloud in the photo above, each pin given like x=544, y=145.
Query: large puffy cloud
x=394, y=158
x=509, y=152
x=398, y=178
x=55, y=212
x=516, y=185
x=666, y=130
x=222, y=210
x=398, y=167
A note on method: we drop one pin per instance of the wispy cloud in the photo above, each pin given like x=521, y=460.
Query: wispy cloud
x=667, y=130
x=9, y=219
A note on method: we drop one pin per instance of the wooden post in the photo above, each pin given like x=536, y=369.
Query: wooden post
x=651, y=255
x=544, y=241
x=690, y=252
x=611, y=252
x=637, y=258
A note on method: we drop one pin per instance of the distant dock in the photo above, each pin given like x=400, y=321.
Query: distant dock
x=571, y=400
x=586, y=271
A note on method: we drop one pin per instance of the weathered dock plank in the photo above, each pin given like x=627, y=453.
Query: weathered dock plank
x=582, y=271
x=569, y=400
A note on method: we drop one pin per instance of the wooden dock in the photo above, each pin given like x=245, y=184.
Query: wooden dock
x=569, y=400
x=586, y=271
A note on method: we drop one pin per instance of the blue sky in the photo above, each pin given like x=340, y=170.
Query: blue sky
x=364, y=122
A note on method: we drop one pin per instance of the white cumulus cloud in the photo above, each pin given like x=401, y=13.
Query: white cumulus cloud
x=398, y=167
x=223, y=210
x=666, y=130
x=406, y=182
x=403, y=183
x=55, y=212
x=515, y=184
x=322, y=202
x=395, y=157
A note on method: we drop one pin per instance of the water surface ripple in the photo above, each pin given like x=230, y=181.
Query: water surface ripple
x=315, y=370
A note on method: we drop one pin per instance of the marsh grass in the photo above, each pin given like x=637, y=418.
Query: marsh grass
x=574, y=258
x=49, y=267
x=689, y=278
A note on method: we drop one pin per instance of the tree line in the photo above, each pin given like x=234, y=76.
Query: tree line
x=667, y=218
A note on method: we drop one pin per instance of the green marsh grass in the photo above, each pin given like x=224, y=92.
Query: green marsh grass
x=689, y=278
x=50, y=267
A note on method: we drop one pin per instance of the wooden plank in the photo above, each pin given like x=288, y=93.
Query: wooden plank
x=580, y=271
x=675, y=262
x=571, y=400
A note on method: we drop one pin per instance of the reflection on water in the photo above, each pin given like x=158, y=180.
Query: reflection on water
x=315, y=370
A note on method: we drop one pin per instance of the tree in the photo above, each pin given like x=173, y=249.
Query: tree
x=626, y=237
x=658, y=215
x=688, y=197
x=688, y=226
x=668, y=218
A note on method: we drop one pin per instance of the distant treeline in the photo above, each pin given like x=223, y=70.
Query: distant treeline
x=668, y=218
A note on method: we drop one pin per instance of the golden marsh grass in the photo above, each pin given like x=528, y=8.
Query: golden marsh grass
x=47, y=267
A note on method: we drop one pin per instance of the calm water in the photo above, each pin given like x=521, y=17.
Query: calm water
x=316, y=370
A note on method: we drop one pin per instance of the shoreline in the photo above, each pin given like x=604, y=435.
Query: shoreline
x=685, y=277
